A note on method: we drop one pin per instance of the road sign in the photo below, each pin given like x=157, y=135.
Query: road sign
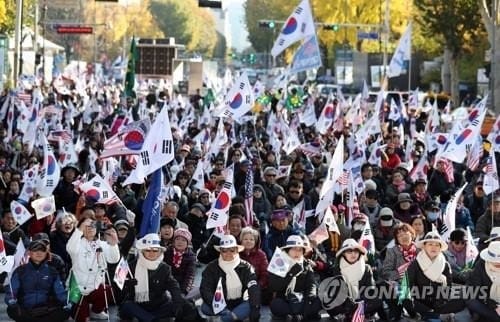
x=373, y=35
x=75, y=29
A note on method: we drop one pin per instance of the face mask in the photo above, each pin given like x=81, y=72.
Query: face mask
x=358, y=226
x=386, y=223
x=432, y=216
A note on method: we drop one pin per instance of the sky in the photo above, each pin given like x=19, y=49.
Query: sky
x=236, y=13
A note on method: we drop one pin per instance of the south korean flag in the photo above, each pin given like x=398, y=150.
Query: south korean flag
x=239, y=100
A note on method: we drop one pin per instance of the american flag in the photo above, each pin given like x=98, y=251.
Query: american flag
x=359, y=314
x=490, y=175
x=57, y=135
x=448, y=170
x=311, y=149
x=249, y=195
x=25, y=97
x=475, y=154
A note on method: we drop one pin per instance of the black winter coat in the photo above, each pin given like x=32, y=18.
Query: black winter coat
x=160, y=281
x=211, y=275
x=416, y=278
x=186, y=272
x=479, y=277
x=305, y=283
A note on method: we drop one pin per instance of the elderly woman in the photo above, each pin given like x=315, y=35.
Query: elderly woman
x=236, y=277
x=357, y=274
x=428, y=273
x=486, y=273
x=90, y=257
x=33, y=288
x=397, y=259
x=250, y=239
x=296, y=295
x=145, y=297
x=65, y=224
x=397, y=185
x=182, y=260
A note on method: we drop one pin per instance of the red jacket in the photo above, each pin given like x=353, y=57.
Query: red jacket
x=391, y=162
x=258, y=259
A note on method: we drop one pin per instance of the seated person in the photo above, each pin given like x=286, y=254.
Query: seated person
x=37, y=293
x=145, y=297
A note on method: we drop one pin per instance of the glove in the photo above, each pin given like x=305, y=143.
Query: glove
x=255, y=314
x=294, y=270
x=12, y=302
x=68, y=307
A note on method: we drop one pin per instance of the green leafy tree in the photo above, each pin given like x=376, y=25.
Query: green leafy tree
x=458, y=27
x=187, y=23
x=8, y=15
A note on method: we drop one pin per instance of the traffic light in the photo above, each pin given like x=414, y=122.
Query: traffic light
x=334, y=27
x=267, y=24
x=209, y=4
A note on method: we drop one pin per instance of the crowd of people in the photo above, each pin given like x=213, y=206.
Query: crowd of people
x=76, y=253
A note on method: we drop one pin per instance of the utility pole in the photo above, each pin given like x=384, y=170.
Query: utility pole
x=35, y=42
x=494, y=15
x=18, y=48
x=385, y=33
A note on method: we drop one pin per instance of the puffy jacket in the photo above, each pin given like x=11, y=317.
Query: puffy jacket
x=35, y=285
x=257, y=258
x=417, y=278
x=211, y=275
x=305, y=282
x=87, y=263
x=484, y=225
x=186, y=272
x=276, y=238
x=160, y=280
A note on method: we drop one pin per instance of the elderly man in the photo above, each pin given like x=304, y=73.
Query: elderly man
x=170, y=210
x=270, y=186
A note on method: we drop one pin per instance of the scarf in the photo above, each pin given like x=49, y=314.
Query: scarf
x=291, y=286
x=353, y=273
x=400, y=186
x=233, y=282
x=177, y=259
x=494, y=275
x=432, y=269
x=141, y=275
x=409, y=253
x=459, y=256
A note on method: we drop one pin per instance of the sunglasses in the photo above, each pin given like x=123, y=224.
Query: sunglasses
x=459, y=242
x=228, y=250
x=270, y=175
x=294, y=192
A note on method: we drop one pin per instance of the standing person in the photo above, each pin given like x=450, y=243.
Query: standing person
x=145, y=297
x=431, y=271
x=296, y=297
x=237, y=277
x=31, y=287
x=358, y=275
x=90, y=257
x=486, y=273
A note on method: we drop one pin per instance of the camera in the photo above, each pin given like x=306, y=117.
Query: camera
x=102, y=227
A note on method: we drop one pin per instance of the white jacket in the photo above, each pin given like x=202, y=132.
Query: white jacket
x=89, y=265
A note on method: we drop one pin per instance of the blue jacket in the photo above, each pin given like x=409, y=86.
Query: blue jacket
x=276, y=238
x=35, y=285
x=463, y=219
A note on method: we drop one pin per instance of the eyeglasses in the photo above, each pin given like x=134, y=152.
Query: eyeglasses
x=228, y=250
x=152, y=250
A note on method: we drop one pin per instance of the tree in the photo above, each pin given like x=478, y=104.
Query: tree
x=493, y=29
x=458, y=27
x=187, y=23
x=8, y=15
